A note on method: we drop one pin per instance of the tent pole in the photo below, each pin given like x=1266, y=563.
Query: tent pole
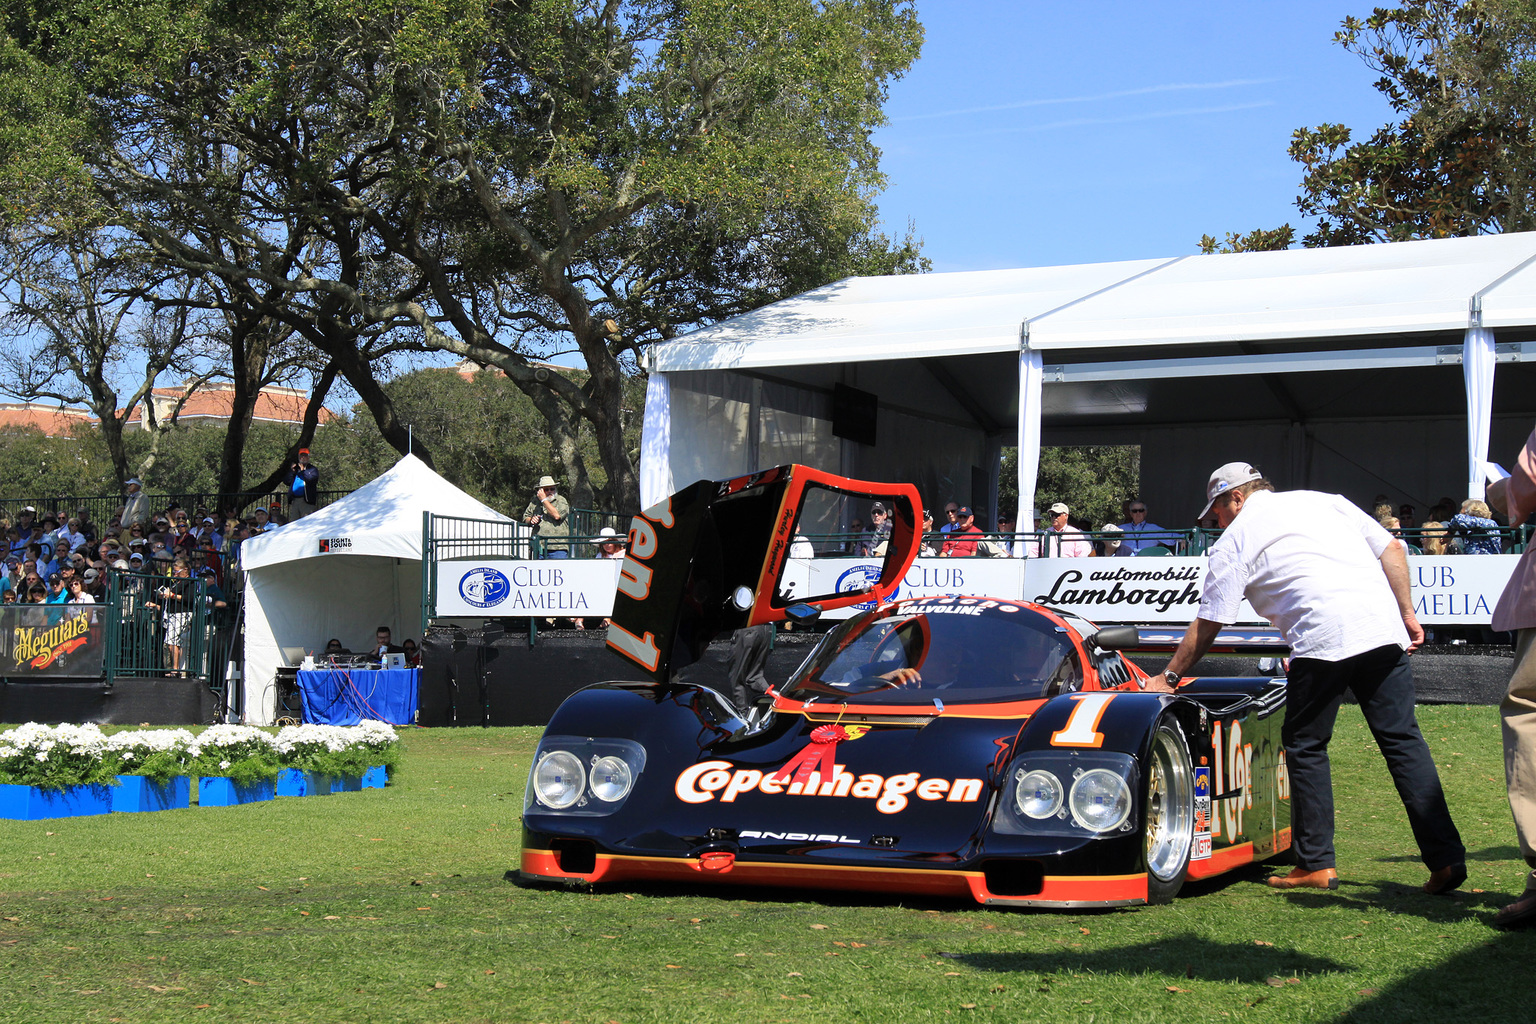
x=1030, y=381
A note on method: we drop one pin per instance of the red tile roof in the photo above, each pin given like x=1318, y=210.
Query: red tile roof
x=52, y=420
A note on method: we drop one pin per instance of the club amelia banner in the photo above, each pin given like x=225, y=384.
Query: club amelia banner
x=1447, y=591
x=51, y=641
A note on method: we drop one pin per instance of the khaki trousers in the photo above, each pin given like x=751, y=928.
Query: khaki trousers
x=1518, y=712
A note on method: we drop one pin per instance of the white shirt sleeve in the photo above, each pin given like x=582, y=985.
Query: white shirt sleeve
x=1376, y=535
x=1226, y=578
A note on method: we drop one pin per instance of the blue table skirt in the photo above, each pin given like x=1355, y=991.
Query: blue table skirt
x=347, y=696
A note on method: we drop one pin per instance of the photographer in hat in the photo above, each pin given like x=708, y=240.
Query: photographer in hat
x=548, y=513
x=1336, y=585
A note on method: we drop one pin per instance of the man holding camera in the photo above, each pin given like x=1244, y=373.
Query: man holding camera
x=549, y=514
x=302, y=481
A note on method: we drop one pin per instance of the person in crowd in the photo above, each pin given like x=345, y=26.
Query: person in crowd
x=1060, y=540
x=262, y=520
x=1382, y=509
x=961, y=542
x=1336, y=585
x=301, y=478
x=94, y=583
x=25, y=518
x=1432, y=538
x=8, y=596
x=928, y=546
x=214, y=599
x=333, y=648
x=856, y=537
x=611, y=545
x=549, y=515
x=950, y=524
x=15, y=542
x=173, y=599
x=1139, y=533
x=135, y=503
x=412, y=653
x=799, y=547
x=1475, y=526
x=71, y=538
x=1008, y=542
x=1515, y=611
x=879, y=530
x=78, y=593
x=1111, y=542
x=1405, y=516
x=57, y=595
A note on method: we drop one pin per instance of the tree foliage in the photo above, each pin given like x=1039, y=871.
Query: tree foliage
x=505, y=180
x=1094, y=480
x=1460, y=159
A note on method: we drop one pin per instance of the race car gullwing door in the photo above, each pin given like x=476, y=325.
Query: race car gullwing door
x=713, y=557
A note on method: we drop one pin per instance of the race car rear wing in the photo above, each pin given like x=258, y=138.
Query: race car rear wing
x=711, y=558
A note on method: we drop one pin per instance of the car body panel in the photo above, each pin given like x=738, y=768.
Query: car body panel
x=890, y=761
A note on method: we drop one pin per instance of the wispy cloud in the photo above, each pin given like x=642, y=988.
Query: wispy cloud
x=1080, y=122
x=1148, y=90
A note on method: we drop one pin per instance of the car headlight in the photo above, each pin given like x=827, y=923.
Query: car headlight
x=582, y=775
x=558, y=779
x=1038, y=794
x=610, y=779
x=1101, y=800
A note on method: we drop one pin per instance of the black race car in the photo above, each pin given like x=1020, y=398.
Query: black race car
x=950, y=746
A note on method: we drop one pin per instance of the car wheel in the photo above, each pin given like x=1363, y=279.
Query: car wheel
x=1169, y=822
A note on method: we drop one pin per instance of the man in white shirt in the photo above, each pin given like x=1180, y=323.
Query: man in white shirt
x=1336, y=584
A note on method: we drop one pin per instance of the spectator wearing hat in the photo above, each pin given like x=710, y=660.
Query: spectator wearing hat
x=302, y=481
x=1112, y=540
x=549, y=515
x=57, y=594
x=962, y=540
x=609, y=543
x=25, y=519
x=71, y=537
x=879, y=529
x=135, y=503
x=1060, y=540
x=1336, y=585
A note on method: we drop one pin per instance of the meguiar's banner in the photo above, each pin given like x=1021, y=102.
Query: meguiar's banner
x=52, y=641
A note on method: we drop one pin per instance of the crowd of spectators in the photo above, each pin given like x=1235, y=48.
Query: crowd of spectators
x=171, y=567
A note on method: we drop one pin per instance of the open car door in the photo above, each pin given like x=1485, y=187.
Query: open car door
x=713, y=558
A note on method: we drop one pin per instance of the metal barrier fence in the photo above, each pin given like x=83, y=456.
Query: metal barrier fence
x=163, y=625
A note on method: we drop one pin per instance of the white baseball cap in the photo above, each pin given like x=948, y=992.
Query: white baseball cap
x=1224, y=479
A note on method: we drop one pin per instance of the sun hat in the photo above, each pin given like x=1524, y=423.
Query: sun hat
x=1060, y=508
x=547, y=481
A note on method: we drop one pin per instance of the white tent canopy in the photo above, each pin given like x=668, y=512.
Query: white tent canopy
x=1134, y=352
x=341, y=572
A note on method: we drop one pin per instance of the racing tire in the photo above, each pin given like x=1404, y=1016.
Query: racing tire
x=1168, y=824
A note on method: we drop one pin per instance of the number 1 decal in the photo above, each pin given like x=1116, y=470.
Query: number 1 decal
x=1083, y=724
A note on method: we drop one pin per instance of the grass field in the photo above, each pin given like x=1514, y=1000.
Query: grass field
x=392, y=905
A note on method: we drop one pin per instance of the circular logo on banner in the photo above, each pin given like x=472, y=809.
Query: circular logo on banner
x=863, y=577
x=484, y=588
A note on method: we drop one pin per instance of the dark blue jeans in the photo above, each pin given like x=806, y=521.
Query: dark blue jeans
x=1382, y=681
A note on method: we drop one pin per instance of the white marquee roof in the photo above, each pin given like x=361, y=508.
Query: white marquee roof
x=383, y=517
x=1423, y=287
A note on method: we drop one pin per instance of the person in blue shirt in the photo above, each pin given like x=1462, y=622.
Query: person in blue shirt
x=1138, y=533
x=57, y=595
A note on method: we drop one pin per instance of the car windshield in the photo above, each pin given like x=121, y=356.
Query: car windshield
x=959, y=650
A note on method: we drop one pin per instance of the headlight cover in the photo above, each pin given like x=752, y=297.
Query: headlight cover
x=1101, y=800
x=1037, y=794
x=582, y=775
x=1088, y=794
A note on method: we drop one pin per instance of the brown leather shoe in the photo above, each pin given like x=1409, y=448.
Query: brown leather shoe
x=1520, y=912
x=1301, y=878
x=1447, y=879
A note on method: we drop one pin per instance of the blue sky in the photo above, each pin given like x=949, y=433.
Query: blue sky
x=1033, y=133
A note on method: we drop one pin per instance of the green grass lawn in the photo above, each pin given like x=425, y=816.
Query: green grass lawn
x=392, y=905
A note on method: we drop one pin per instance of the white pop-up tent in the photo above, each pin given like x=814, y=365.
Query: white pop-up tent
x=1360, y=369
x=342, y=572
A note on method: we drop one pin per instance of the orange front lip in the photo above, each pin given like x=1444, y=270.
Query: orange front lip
x=1106, y=890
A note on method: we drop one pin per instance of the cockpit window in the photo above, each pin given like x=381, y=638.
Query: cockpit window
x=960, y=650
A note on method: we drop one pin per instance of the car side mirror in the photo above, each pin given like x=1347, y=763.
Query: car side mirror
x=1116, y=638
